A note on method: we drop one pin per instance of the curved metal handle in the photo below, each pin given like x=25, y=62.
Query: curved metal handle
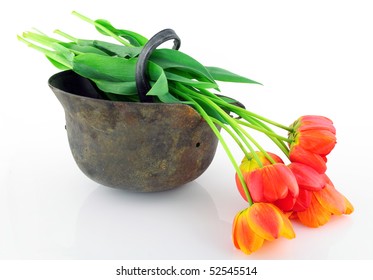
x=142, y=82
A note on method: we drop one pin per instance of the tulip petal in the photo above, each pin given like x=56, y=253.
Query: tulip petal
x=254, y=182
x=243, y=237
x=300, y=155
x=235, y=231
x=250, y=164
x=265, y=161
x=331, y=199
x=315, y=215
x=286, y=230
x=303, y=200
x=268, y=221
x=311, y=122
x=345, y=207
x=319, y=142
x=274, y=185
x=286, y=204
x=272, y=182
x=264, y=221
x=349, y=208
x=307, y=177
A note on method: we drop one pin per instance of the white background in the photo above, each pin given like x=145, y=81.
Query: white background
x=313, y=57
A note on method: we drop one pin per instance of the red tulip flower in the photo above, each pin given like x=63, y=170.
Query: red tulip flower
x=269, y=183
x=250, y=164
x=259, y=222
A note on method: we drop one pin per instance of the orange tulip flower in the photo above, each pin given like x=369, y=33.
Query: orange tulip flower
x=313, y=138
x=259, y=222
x=324, y=203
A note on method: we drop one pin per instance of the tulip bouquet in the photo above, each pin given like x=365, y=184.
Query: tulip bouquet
x=277, y=190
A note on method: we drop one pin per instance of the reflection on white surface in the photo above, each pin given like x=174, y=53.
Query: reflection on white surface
x=111, y=224
x=182, y=223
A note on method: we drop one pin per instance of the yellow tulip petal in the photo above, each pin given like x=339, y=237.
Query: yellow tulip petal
x=315, y=215
x=243, y=237
x=331, y=199
x=286, y=229
x=349, y=207
x=235, y=231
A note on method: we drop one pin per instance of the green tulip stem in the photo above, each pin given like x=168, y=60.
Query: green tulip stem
x=233, y=135
x=241, y=112
x=227, y=118
x=210, y=122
